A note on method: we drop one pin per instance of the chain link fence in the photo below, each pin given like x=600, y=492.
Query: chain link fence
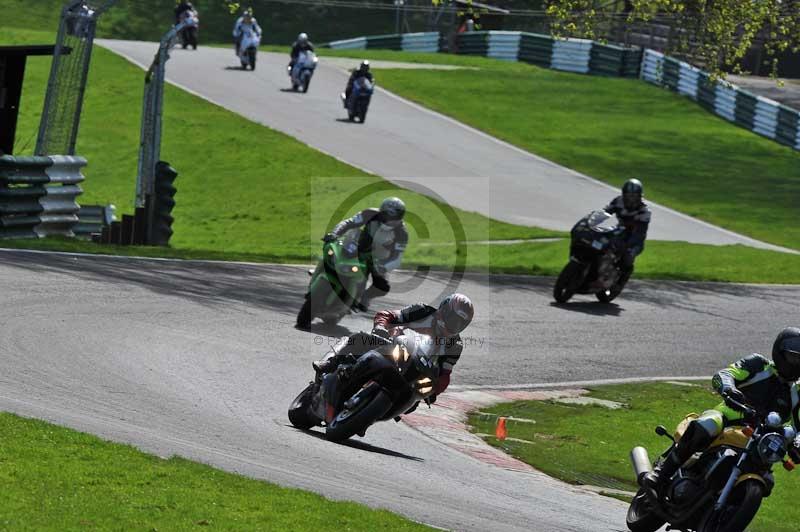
x=58, y=129
x=152, y=109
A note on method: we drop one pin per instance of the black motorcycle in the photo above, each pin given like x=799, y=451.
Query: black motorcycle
x=593, y=266
x=357, y=104
x=720, y=489
x=388, y=380
x=189, y=31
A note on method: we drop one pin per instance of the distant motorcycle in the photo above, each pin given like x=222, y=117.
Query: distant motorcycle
x=389, y=380
x=720, y=489
x=188, y=34
x=338, y=281
x=358, y=103
x=303, y=70
x=248, y=49
x=593, y=266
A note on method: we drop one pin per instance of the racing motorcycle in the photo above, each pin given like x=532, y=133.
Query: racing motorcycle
x=386, y=382
x=303, y=70
x=593, y=263
x=338, y=280
x=188, y=34
x=720, y=489
x=358, y=103
x=248, y=48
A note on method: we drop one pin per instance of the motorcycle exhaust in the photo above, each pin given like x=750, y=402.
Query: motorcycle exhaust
x=641, y=463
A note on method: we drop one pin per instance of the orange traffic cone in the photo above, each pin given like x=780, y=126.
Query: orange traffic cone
x=501, y=432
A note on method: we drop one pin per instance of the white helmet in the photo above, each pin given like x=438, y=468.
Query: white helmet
x=303, y=37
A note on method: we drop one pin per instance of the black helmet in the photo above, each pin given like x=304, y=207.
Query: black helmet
x=632, y=192
x=364, y=66
x=393, y=209
x=786, y=353
x=454, y=315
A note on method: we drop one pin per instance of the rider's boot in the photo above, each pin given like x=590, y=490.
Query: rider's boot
x=327, y=364
x=694, y=439
x=657, y=478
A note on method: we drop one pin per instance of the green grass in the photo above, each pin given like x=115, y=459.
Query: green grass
x=613, y=129
x=59, y=479
x=590, y=444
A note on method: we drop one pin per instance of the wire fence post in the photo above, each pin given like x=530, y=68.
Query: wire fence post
x=58, y=128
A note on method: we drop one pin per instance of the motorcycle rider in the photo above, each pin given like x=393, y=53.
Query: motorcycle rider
x=302, y=44
x=361, y=72
x=181, y=8
x=381, y=241
x=444, y=324
x=755, y=382
x=633, y=214
x=247, y=22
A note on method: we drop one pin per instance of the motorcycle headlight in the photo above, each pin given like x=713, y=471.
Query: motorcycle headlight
x=330, y=253
x=399, y=353
x=354, y=269
x=772, y=448
x=424, y=386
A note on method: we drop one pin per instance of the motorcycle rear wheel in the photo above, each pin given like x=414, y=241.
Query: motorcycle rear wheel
x=299, y=414
x=742, y=507
x=640, y=518
x=358, y=420
x=562, y=291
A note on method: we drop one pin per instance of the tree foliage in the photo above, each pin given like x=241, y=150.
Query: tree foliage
x=715, y=33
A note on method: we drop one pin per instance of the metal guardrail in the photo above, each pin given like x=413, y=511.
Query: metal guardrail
x=38, y=195
x=758, y=114
x=93, y=218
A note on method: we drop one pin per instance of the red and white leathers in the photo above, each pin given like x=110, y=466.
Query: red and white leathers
x=422, y=318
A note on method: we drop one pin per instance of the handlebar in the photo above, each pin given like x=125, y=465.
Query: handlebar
x=747, y=410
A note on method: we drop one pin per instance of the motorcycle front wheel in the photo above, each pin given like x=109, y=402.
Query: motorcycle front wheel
x=350, y=422
x=299, y=414
x=640, y=516
x=251, y=56
x=741, y=508
x=564, y=288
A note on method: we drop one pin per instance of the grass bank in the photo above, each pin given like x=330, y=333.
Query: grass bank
x=59, y=479
x=583, y=444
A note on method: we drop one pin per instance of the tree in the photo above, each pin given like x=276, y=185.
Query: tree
x=716, y=33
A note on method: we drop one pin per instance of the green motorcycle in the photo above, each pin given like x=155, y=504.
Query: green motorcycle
x=338, y=281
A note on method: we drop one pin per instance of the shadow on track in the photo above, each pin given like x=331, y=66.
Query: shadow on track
x=361, y=446
x=594, y=308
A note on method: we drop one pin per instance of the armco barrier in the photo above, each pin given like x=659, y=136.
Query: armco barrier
x=755, y=113
x=37, y=195
x=422, y=42
x=572, y=55
x=504, y=45
x=359, y=43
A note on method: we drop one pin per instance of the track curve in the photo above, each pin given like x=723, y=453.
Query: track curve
x=200, y=359
x=406, y=142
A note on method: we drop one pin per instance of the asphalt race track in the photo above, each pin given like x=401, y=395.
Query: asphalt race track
x=201, y=359
x=407, y=143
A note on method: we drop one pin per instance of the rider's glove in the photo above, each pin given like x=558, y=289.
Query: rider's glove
x=330, y=237
x=733, y=396
x=794, y=451
x=380, y=330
